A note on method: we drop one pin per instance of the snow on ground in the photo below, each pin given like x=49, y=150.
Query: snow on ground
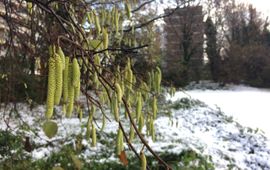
x=209, y=132
x=204, y=129
x=249, y=106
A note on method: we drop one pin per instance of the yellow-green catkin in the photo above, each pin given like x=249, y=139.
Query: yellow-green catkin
x=97, y=59
x=75, y=72
x=118, y=92
x=153, y=134
x=97, y=24
x=149, y=81
x=95, y=80
x=143, y=161
x=128, y=10
x=158, y=77
x=103, y=122
x=128, y=106
x=89, y=17
x=77, y=91
x=88, y=132
x=122, y=85
x=92, y=112
x=139, y=105
x=129, y=78
x=141, y=123
x=70, y=92
x=120, y=142
x=115, y=108
x=131, y=133
x=65, y=80
x=154, y=107
x=62, y=56
x=145, y=91
x=152, y=129
x=51, y=88
x=105, y=38
x=94, y=136
x=70, y=106
x=58, y=79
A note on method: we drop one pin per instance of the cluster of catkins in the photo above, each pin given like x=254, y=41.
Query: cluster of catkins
x=63, y=81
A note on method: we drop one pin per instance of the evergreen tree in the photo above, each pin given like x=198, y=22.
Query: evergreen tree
x=211, y=49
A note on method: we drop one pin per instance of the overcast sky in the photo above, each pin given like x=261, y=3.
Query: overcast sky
x=261, y=5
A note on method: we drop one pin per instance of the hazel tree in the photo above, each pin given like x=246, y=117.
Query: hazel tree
x=88, y=48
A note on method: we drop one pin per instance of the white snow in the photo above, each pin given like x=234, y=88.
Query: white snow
x=249, y=106
x=204, y=129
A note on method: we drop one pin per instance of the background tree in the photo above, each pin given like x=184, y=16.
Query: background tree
x=240, y=42
x=212, y=50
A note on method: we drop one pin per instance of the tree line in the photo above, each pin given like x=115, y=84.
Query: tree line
x=236, y=45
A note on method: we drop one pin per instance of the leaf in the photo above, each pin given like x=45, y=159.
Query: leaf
x=57, y=168
x=94, y=44
x=123, y=158
x=76, y=161
x=50, y=128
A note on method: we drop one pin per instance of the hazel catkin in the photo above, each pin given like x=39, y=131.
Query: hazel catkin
x=51, y=88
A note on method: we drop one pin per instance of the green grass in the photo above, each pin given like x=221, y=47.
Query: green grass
x=69, y=159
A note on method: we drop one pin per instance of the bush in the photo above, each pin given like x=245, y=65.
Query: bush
x=186, y=103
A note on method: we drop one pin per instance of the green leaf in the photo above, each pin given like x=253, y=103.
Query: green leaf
x=57, y=168
x=94, y=44
x=76, y=161
x=50, y=128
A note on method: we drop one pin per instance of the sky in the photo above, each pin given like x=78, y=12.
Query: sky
x=261, y=5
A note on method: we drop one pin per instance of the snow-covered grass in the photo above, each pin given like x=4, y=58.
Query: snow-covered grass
x=249, y=106
x=193, y=125
x=210, y=132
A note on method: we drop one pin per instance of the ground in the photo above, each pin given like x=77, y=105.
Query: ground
x=193, y=136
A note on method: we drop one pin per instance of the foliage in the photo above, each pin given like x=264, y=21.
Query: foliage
x=64, y=158
x=88, y=48
x=186, y=103
x=211, y=49
x=9, y=143
x=12, y=151
x=242, y=43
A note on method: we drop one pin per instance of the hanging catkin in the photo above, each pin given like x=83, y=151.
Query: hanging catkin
x=65, y=80
x=58, y=79
x=70, y=92
x=115, y=107
x=75, y=72
x=118, y=92
x=139, y=105
x=120, y=142
x=51, y=88
x=62, y=56
x=94, y=136
x=154, y=107
x=143, y=161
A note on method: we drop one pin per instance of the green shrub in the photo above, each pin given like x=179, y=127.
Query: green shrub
x=186, y=103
